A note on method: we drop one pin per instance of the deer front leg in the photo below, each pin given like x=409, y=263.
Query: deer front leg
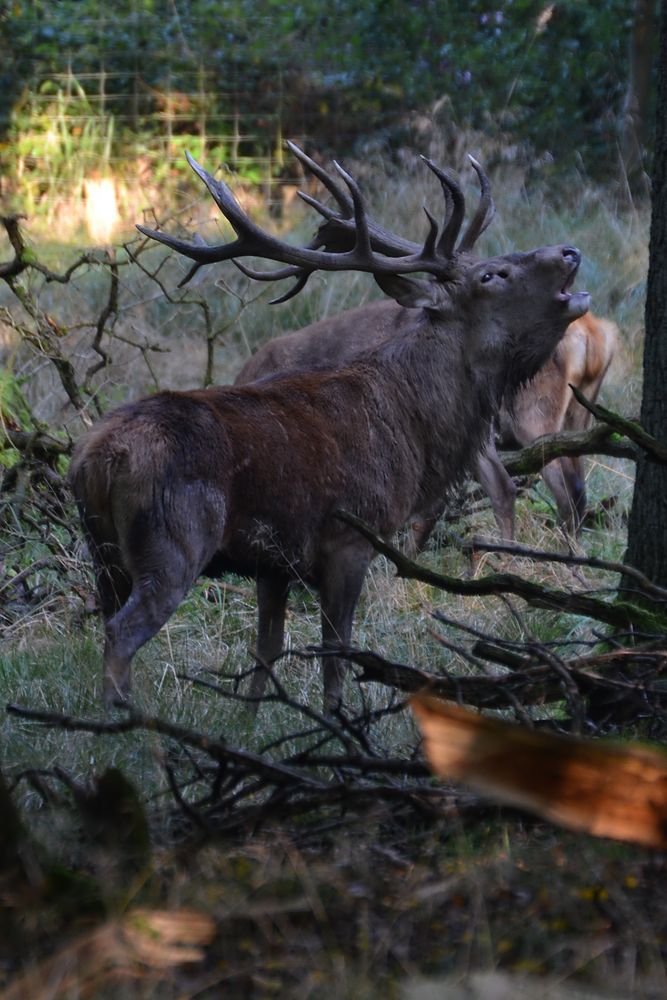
x=272, y=593
x=340, y=588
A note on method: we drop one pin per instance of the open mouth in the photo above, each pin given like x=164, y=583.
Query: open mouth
x=565, y=292
x=574, y=303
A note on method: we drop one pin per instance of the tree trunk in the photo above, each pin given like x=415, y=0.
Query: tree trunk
x=634, y=116
x=647, y=530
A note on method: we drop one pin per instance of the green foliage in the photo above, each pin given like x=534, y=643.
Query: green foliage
x=14, y=412
x=550, y=74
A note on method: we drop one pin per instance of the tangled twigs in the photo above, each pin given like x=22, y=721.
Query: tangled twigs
x=233, y=788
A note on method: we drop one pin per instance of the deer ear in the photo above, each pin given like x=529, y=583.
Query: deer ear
x=410, y=292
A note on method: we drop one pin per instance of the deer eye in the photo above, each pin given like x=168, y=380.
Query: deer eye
x=487, y=277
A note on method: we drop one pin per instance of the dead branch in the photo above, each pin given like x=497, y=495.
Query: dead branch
x=47, y=562
x=533, y=679
x=243, y=789
x=620, y=614
x=600, y=439
x=109, y=310
x=215, y=749
x=605, y=789
x=35, y=444
x=629, y=428
x=24, y=257
x=516, y=549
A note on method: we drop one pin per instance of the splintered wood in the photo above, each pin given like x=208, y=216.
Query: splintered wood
x=602, y=788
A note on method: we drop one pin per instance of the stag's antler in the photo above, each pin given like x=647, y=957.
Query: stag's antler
x=331, y=231
x=346, y=241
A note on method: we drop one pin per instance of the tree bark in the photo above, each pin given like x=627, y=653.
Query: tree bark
x=634, y=116
x=647, y=529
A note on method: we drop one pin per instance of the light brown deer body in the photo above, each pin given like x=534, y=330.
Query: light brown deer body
x=250, y=479
x=546, y=405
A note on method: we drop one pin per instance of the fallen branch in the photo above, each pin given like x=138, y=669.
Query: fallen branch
x=514, y=548
x=34, y=444
x=216, y=749
x=603, y=789
x=598, y=440
x=532, y=680
x=620, y=614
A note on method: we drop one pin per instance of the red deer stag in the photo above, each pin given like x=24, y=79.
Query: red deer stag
x=544, y=405
x=251, y=478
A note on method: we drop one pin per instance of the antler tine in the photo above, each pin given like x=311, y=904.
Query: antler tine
x=195, y=251
x=362, y=234
x=449, y=206
x=485, y=210
x=430, y=243
x=292, y=271
x=344, y=225
x=195, y=267
x=251, y=240
x=336, y=190
x=453, y=218
x=327, y=213
x=294, y=290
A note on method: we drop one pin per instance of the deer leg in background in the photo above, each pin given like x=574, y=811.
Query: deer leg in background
x=340, y=588
x=565, y=478
x=420, y=530
x=495, y=480
x=272, y=593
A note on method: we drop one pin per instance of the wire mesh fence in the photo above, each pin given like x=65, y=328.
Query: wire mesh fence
x=132, y=89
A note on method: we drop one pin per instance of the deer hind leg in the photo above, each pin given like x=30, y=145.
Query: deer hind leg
x=340, y=588
x=160, y=580
x=272, y=593
x=114, y=587
x=113, y=582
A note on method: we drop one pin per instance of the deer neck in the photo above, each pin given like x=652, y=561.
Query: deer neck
x=446, y=400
